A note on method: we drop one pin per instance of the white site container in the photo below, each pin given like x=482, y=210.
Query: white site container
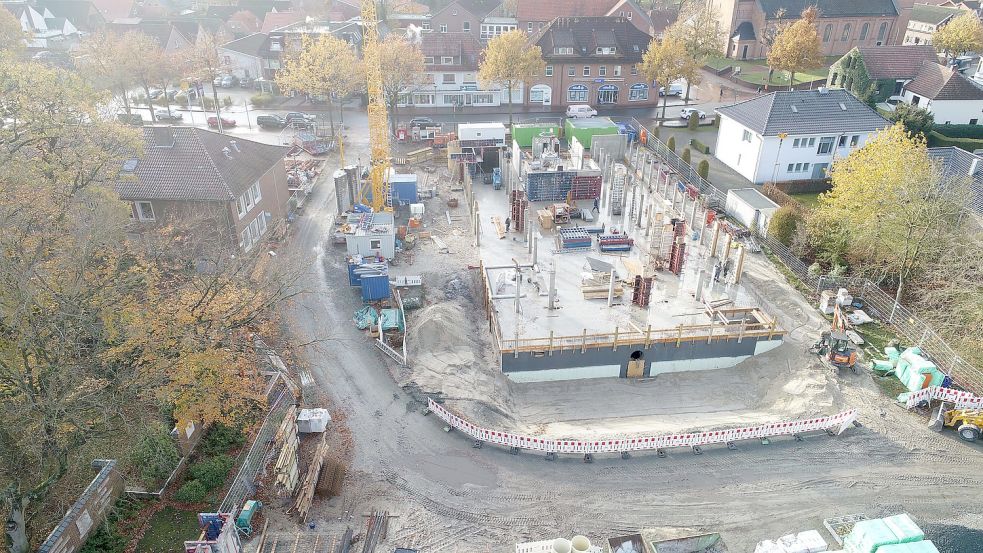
x=468, y=132
x=313, y=420
x=751, y=208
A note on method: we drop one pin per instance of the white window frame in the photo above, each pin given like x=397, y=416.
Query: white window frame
x=602, y=71
x=375, y=243
x=245, y=240
x=629, y=15
x=549, y=70
x=529, y=27
x=617, y=70
x=587, y=71
x=257, y=192
x=446, y=60
x=139, y=211
x=443, y=27
x=263, y=217
x=443, y=78
x=466, y=26
x=746, y=136
x=634, y=69
x=571, y=71
x=428, y=60
x=427, y=26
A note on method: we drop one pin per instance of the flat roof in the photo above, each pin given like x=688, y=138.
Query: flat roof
x=481, y=126
x=370, y=224
x=592, y=123
x=754, y=198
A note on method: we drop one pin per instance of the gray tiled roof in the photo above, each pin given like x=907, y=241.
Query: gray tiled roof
x=926, y=13
x=744, y=31
x=957, y=163
x=833, y=112
x=896, y=61
x=250, y=45
x=195, y=167
x=829, y=8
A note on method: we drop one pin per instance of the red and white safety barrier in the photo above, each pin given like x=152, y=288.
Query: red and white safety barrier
x=963, y=400
x=838, y=422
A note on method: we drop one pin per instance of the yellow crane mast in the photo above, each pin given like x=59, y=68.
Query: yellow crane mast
x=378, y=115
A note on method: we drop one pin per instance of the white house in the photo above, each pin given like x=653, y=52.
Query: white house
x=793, y=135
x=951, y=97
x=247, y=56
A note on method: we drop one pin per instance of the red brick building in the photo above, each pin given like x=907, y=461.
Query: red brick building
x=591, y=60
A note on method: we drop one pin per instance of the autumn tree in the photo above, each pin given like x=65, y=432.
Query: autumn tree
x=205, y=64
x=772, y=29
x=402, y=66
x=105, y=59
x=325, y=67
x=667, y=61
x=12, y=36
x=510, y=60
x=960, y=35
x=797, y=47
x=698, y=28
x=890, y=210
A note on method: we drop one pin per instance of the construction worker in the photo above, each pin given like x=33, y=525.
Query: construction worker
x=597, y=207
x=508, y=223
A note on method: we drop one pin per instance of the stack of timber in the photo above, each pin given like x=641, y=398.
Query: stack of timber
x=286, y=463
x=598, y=285
x=305, y=495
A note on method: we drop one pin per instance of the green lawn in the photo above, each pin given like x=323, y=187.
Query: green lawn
x=168, y=530
x=756, y=71
x=809, y=200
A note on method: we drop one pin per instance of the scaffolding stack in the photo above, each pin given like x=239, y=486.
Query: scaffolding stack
x=678, y=250
x=642, y=292
x=561, y=186
x=614, y=242
x=518, y=203
x=618, y=184
x=569, y=239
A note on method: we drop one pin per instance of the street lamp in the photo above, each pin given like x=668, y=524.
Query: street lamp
x=781, y=139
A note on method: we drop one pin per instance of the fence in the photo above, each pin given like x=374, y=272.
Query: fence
x=962, y=400
x=879, y=304
x=255, y=457
x=835, y=423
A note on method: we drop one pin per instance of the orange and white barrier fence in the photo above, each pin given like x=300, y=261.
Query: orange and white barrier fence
x=963, y=400
x=837, y=423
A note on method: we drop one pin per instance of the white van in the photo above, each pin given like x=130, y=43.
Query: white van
x=675, y=89
x=580, y=112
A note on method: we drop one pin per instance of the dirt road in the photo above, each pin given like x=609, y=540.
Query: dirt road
x=450, y=497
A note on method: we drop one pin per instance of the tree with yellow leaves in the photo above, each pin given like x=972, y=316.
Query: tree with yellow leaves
x=13, y=39
x=797, y=47
x=668, y=61
x=325, y=67
x=890, y=213
x=402, y=66
x=510, y=60
x=960, y=35
x=698, y=27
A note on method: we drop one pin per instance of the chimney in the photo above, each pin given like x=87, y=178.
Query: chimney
x=974, y=167
x=163, y=137
x=235, y=145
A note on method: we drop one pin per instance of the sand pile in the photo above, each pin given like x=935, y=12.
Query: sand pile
x=447, y=356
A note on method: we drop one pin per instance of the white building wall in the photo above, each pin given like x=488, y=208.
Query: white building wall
x=781, y=160
x=955, y=112
x=241, y=64
x=736, y=152
x=464, y=88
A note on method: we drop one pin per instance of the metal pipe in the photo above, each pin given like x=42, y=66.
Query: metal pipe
x=552, y=291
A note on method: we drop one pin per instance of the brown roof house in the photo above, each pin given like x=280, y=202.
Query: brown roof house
x=189, y=172
x=951, y=97
x=877, y=73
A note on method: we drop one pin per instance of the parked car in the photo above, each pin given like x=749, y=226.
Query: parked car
x=582, y=111
x=245, y=82
x=686, y=113
x=271, y=122
x=229, y=81
x=134, y=119
x=299, y=120
x=218, y=80
x=226, y=122
x=675, y=89
x=163, y=116
x=420, y=122
x=156, y=93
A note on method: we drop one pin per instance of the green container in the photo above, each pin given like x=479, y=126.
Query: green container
x=524, y=133
x=904, y=528
x=586, y=129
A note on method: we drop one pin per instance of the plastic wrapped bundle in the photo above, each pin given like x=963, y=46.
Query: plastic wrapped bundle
x=904, y=528
x=868, y=535
x=813, y=541
x=911, y=547
x=769, y=546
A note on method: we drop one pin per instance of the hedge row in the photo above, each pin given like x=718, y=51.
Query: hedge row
x=960, y=131
x=699, y=146
x=937, y=140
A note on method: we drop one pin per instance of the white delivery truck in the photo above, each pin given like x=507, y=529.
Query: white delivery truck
x=581, y=111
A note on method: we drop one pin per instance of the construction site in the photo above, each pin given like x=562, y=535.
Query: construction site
x=548, y=337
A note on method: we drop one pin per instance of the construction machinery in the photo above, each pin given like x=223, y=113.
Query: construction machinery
x=835, y=346
x=378, y=114
x=967, y=422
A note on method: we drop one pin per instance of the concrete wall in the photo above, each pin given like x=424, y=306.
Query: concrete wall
x=658, y=358
x=87, y=512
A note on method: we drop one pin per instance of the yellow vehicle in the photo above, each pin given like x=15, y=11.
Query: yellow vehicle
x=968, y=422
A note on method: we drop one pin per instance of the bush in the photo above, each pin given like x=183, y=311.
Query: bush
x=671, y=143
x=220, y=438
x=915, y=119
x=211, y=472
x=969, y=144
x=699, y=146
x=106, y=539
x=703, y=169
x=209, y=103
x=191, y=492
x=783, y=224
x=960, y=131
x=693, y=122
x=155, y=454
x=686, y=156
x=227, y=101
x=261, y=100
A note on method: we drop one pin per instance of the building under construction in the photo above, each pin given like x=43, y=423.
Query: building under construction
x=600, y=264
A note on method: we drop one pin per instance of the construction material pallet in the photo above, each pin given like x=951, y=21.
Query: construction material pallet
x=840, y=527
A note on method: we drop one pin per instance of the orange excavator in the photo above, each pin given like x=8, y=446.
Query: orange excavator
x=835, y=347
